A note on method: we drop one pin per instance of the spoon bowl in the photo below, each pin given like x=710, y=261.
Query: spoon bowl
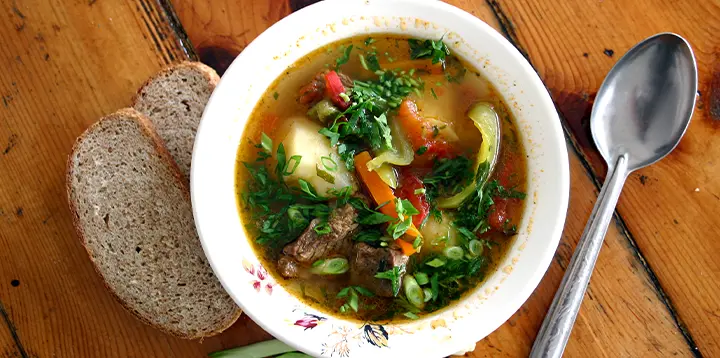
x=645, y=103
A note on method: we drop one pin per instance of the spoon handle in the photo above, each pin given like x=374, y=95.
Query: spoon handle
x=558, y=323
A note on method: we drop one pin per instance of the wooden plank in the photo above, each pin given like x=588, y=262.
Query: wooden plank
x=63, y=64
x=573, y=44
x=635, y=323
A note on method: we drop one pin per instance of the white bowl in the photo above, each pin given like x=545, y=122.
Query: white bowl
x=449, y=331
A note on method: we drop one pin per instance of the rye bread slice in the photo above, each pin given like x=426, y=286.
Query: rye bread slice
x=132, y=211
x=174, y=100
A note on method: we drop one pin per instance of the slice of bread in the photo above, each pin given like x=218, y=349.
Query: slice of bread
x=174, y=100
x=131, y=209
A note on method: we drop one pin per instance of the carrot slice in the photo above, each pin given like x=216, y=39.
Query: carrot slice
x=406, y=247
x=380, y=192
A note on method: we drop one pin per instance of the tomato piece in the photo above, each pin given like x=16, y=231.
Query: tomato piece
x=440, y=149
x=498, y=214
x=409, y=183
x=334, y=88
x=420, y=134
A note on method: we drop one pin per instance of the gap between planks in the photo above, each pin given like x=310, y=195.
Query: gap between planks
x=508, y=30
x=13, y=331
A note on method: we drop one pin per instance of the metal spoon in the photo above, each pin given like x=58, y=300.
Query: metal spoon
x=640, y=114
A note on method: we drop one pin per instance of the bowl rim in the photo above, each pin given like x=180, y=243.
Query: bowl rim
x=528, y=72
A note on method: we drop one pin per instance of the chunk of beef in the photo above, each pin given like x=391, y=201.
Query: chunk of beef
x=367, y=261
x=314, y=91
x=310, y=246
x=289, y=268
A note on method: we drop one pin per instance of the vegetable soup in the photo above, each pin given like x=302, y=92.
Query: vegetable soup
x=381, y=178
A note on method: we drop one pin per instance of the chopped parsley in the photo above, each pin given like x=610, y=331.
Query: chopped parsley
x=395, y=277
x=448, y=177
x=281, y=212
x=352, y=297
x=344, y=58
x=405, y=211
x=433, y=49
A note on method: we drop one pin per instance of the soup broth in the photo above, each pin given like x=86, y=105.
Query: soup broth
x=366, y=178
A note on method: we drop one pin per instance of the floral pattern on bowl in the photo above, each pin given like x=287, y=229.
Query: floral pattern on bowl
x=259, y=278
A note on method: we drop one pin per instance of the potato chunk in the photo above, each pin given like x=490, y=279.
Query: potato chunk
x=320, y=165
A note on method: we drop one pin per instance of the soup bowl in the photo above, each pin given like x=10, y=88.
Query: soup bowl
x=452, y=330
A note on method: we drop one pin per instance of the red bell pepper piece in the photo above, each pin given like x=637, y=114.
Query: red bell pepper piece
x=333, y=89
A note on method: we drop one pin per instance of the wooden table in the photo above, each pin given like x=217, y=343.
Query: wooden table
x=64, y=63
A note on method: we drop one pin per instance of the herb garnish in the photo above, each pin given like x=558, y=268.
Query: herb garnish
x=344, y=58
x=448, y=177
x=369, y=236
x=405, y=211
x=365, y=121
x=434, y=49
x=394, y=275
x=353, y=299
x=281, y=212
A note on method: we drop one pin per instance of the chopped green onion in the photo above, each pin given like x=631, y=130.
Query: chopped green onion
x=432, y=90
x=344, y=96
x=421, y=278
x=332, y=266
x=323, y=228
x=427, y=293
x=419, y=191
x=266, y=143
x=362, y=62
x=318, y=263
x=475, y=247
x=295, y=160
x=293, y=355
x=324, y=175
x=436, y=262
x=454, y=252
x=329, y=163
x=413, y=292
x=417, y=243
x=276, y=95
x=421, y=150
x=257, y=350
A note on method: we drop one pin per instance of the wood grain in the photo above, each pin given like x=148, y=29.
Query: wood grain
x=674, y=225
x=636, y=323
x=63, y=64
